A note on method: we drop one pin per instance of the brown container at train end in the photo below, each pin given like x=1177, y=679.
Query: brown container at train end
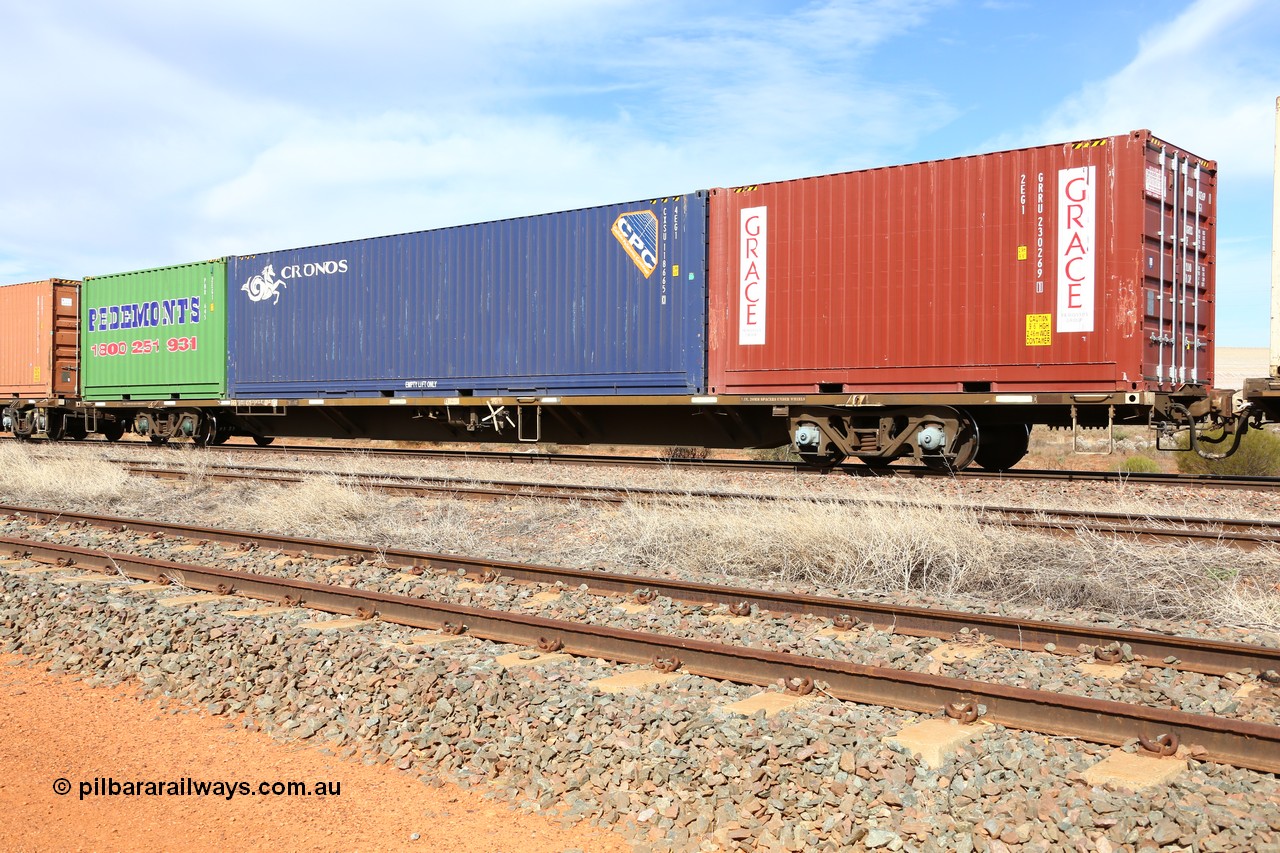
x=39, y=346
x=1085, y=266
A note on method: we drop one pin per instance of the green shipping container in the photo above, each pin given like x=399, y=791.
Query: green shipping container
x=156, y=334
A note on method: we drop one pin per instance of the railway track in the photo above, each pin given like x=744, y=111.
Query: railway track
x=1239, y=533
x=1233, y=741
x=900, y=471
x=1206, y=656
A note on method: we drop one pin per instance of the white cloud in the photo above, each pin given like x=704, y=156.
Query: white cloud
x=1196, y=65
x=1205, y=81
x=187, y=131
x=404, y=172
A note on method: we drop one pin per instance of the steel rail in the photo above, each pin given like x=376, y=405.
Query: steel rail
x=1237, y=533
x=1214, y=657
x=613, y=494
x=851, y=469
x=1235, y=742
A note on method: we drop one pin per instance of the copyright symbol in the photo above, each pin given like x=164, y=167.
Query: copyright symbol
x=61, y=787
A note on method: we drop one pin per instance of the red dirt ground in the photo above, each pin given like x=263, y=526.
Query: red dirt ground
x=55, y=727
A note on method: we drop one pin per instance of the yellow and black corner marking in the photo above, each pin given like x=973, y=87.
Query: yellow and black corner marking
x=749, y=189
x=1091, y=143
x=1161, y=145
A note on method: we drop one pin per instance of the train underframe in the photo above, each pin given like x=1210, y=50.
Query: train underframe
x=944, y=431
x=996, y=436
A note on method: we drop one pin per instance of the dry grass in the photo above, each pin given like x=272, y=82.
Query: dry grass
x=896, y=546
x=1119, y=497
x=948, y=553
x=326, y=508
x=26, y=477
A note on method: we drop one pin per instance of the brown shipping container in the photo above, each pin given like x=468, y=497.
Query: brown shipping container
x=1086, y=266
x=39, y=349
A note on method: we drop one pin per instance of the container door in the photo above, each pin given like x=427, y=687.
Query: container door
x=1180, y=196
x=66, y=349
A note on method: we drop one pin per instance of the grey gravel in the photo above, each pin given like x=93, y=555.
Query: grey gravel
x=1156, y=686
x=669, y=769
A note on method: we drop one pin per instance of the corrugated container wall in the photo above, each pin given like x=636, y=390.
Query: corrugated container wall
x=158, y=334
x=38, y=339
x=1086, y=266
x=605, y=300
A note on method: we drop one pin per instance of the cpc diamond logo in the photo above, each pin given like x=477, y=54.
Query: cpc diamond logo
x=638, y=233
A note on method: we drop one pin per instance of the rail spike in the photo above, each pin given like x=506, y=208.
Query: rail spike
x=965, y=712
x=1110, y=654
x=665, y=664
x=1163, y=745
x=799, y=686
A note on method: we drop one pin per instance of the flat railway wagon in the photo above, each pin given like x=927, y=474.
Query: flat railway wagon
x=939, y=309
x=897, y=312
x=569, y=326
x=448, y=334
x=934, y=311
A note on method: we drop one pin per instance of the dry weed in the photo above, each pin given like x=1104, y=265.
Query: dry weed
x=947, y=553
x=26, y=477
x=893, y=545
x=321, y=507
x=351, y=510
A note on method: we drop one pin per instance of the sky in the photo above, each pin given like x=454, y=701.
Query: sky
x=140, y=133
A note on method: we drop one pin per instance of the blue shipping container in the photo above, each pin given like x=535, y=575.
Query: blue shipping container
x=605, y=300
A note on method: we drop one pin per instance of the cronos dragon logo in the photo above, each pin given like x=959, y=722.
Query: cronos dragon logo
x=264, y=285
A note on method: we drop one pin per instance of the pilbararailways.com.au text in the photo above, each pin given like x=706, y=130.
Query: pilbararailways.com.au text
x=106, y=786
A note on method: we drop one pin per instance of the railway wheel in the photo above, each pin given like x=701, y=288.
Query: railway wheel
x=823, y=463
x=206, y=433
x=263, y=440
x=962, y=451
x=220, y=437
x=1003, y=446
x=74, y=429
x=158, y=440
x=112, y=430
